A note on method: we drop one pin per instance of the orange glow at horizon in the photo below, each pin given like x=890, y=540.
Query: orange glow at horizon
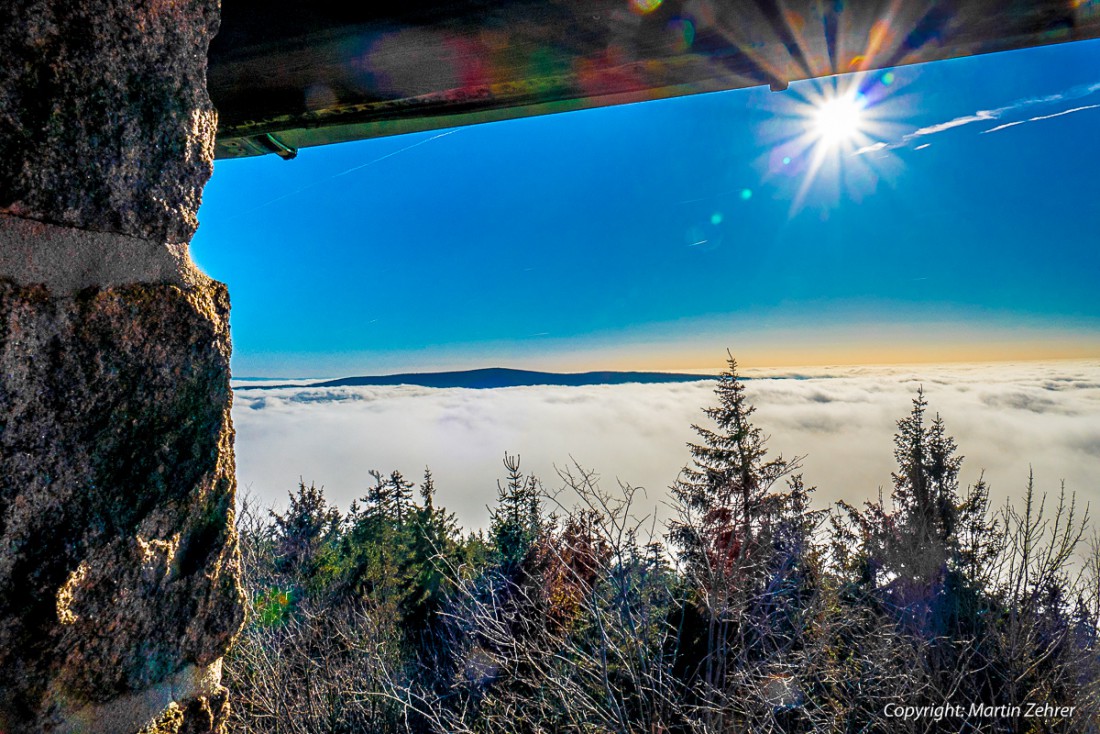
x=752, y=354
x=755, y=353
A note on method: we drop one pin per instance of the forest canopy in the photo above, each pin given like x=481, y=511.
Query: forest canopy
x=752, y=610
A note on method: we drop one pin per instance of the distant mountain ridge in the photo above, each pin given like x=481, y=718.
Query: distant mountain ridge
x=493, y=377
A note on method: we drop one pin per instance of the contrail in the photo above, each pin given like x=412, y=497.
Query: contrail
x=391, y=155
x=312, y=184
x=1041, y=117
x=1073, y=93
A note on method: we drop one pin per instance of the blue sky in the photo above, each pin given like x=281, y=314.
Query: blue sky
x=655, y=235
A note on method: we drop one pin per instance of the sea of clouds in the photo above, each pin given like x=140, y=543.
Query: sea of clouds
x=1007, y=418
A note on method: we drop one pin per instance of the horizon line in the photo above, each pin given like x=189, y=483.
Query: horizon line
x=702, y=373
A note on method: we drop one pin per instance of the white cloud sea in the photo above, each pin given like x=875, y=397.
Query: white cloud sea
x=1005, y=417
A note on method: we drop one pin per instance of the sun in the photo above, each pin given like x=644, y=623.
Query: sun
x=838, y=120
x=831, y=135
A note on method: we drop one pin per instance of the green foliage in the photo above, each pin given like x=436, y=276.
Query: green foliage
x=305, y=538
x=433, y=553
x=517, y=522
x=271, y=607
x=723, y=497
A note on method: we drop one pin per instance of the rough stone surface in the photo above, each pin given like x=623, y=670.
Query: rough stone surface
x=118, y=562
x=105, y=123
x=119, y=585
x=202, y=715
x=195, y=686
x=65, y=259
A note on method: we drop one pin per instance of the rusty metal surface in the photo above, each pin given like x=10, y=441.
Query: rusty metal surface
x=286, y=75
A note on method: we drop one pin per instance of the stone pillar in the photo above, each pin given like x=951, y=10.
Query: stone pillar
x=119, y=587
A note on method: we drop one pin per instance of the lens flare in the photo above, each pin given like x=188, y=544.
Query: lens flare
x=829, y=137
x=838, y=119
x=644, y=7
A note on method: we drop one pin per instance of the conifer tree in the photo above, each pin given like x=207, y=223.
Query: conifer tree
x=516, y=523
x=917, y=551
x=928, y=558
x=724, y=494
x=434, y=545
x=926, y=484
x=390, y=497
x=304, y=533
x=937, y=530
x=744, y=548
x=377, y=541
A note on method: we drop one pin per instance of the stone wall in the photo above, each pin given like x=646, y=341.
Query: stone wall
x=119, y=585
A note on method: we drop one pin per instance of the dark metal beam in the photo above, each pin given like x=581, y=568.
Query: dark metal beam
x=286, y=74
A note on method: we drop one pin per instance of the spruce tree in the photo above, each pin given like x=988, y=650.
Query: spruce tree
x=928, y=558
x=937, y=529
x=305, y=533
x=516, y=523
x=434, y=545
x=390, y=497
x=376, y=544
x=926, y=484
x=723, y=496
x=745, y=551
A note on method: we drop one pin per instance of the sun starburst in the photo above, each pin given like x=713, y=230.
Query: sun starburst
x=831, y=134
x=839, y=119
